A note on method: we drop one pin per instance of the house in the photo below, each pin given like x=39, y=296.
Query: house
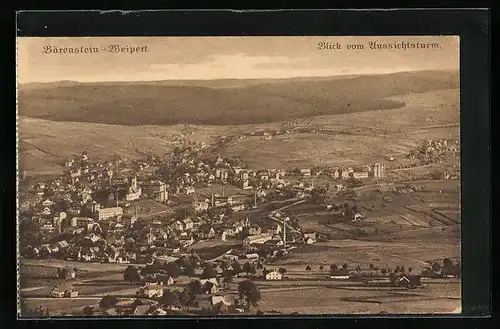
x=238, y=206
x=164, y=279
x=254, y=230
x=274, y=275
x=156, y=190
x=178, y=226
x=80, y=221
x=209, y=286
x=149, y=291
x=228, y=301
x=410, y=281
x=310, y=241
x=188, y=190
x=64, y=289
x=69, y=163
x=62, y=244
x=222, y=174
x=188, y=224
x=200, y=206
x=360, y=175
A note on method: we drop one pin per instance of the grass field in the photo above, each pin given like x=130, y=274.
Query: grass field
x=443, y=297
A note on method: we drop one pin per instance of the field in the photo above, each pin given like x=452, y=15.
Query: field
x=415, y=254
x=331, y=298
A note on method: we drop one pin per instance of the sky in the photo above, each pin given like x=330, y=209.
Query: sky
x=184, y=58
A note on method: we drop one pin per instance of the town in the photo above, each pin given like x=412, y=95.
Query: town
x=194, y=232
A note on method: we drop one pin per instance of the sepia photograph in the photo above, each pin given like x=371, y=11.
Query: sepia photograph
x=238, y=176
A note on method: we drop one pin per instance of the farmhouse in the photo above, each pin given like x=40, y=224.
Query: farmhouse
x=64, y=290
x=149, y=291
x=410, y=281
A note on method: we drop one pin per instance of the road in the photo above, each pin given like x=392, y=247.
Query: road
x=280, y=221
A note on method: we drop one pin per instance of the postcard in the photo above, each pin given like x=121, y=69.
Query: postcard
x=240, y=176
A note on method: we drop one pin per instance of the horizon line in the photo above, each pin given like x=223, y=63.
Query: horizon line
x=236, y=78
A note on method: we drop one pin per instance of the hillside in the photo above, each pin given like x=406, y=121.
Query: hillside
x=224, y=102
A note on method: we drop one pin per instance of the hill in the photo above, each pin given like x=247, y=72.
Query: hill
x=224, y=102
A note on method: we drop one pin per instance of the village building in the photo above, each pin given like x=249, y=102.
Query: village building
x=150, y=291
x=409, y=281
x=188, y=224
x=156, y=190
x=105, y=213
x=188, y=190
x=360, y=174
x=274, y=275
x=64, y=289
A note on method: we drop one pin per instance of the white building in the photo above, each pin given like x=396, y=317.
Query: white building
x=274, y=275
x=156, y=190
x=134, y=192
x=378, y=170
x=104, y=213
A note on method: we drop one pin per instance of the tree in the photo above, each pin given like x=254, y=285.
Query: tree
x=168, y=299
x=333, y=267
x=447, y=263
x=228, y=276
x=186, y=298
x=108, y=302
x=194, y=287
x=248, y=268
x=308, y=268
x=383, y=271
x=282, y=270
x=236, y=268
x=260, y=266
x=208, y=272
x=321, y=267
x=131, y=274
x=88, y=310
x=344, y=266
x=172, y=269
x=249, y=291
x=410, y=269
x=190, y=270
x=402, y=268
x=358, y=268
x=372, y=266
